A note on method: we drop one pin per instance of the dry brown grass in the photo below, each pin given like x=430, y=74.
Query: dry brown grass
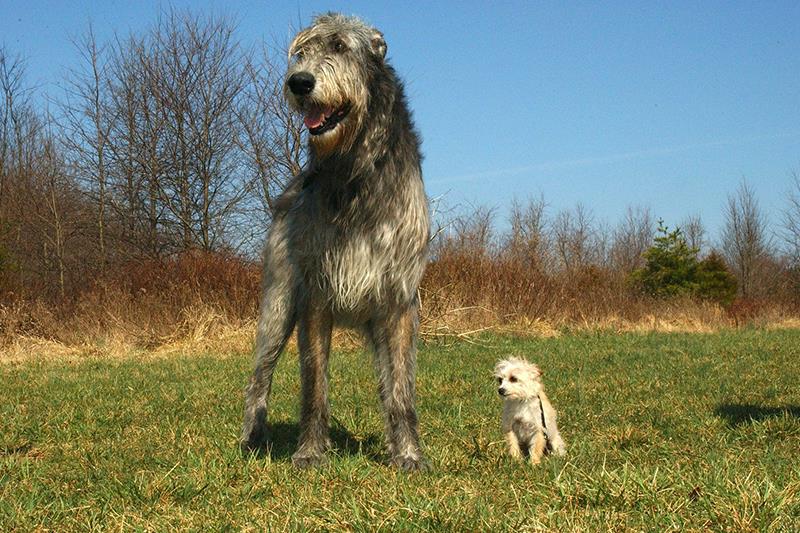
x=468, y=291
x=207, y=303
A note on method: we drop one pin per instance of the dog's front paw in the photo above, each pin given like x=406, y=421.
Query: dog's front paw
x=410, y=463
x=305, y=460
x=254, y=441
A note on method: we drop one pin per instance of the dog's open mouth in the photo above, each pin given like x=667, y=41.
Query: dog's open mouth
x=318, y=120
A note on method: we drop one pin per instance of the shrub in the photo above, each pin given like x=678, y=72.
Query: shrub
x=672, y=269
x=714, y=281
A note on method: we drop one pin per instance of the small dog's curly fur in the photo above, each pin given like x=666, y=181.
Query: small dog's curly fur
x=529, y=421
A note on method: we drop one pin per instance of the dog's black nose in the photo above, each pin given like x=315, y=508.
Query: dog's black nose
x=301, y=83
x=501, y=391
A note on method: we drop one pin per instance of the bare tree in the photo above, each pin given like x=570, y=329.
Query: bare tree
x=272, y=139
x=527, y=238
x=42, y=214
x=577, y=242
x=19, y=125
x=469, y=233
x=745, y=244
x=195, y=69
x=20, y=133
x=133, y=138
x=169, y=140
x=57, y=218
x=87, y=125
x=790, y=223
x=160, y=117
x=631, y=239
x=693, y=231
x=9, y=84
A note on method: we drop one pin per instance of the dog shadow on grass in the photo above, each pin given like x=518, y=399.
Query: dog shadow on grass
x=283, y=438
x=736, y=414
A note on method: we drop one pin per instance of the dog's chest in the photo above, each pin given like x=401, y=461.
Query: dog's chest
x=522, y=417
x=362, y=255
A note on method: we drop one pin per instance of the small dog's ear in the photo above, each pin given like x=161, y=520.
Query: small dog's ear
x=498, y=368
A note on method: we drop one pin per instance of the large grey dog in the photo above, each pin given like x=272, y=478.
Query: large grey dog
x=349, y=240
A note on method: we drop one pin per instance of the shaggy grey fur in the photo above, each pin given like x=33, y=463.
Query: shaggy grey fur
x=349, y=241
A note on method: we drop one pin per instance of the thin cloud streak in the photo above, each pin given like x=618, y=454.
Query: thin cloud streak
x=603, y=160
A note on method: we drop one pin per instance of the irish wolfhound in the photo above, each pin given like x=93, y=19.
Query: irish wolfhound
x=348, y=243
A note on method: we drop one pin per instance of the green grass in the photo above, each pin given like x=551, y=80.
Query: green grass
x=664, y=432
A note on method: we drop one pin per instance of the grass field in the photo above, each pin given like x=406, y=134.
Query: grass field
x=665, y=432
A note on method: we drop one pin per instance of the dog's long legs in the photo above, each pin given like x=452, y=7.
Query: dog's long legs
x=314, y=340
x=394, y=341
x=275, y=324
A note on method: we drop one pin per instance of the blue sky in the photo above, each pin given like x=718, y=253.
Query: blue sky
x=610, y=104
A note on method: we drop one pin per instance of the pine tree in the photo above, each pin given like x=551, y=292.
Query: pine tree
x=672, y=269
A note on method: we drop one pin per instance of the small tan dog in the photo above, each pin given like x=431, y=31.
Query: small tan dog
x=529, y=421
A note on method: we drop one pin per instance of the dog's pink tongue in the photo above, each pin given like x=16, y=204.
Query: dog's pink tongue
x=314, y=118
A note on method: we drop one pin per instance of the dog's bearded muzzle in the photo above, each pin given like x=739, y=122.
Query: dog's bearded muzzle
x=318, y=117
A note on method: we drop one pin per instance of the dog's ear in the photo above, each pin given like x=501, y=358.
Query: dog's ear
x=296, y=43
x=378, y=44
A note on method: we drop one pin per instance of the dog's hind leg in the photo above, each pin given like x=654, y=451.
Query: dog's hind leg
x=394, y=340
x=275, y=324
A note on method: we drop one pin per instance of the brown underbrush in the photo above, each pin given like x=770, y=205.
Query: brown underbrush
x=204, y=302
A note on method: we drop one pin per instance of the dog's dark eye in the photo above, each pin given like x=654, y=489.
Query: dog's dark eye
x=339, y=46
x=513, y=379
x=499, y=380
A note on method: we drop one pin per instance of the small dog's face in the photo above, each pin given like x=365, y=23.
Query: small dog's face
x=518, y=379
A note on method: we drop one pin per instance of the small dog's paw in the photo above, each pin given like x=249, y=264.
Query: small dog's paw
x=515, y=454
x=305, y=460
x=409, y=463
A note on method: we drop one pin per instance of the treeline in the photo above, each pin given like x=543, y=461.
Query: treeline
x=138, y=195
x=568, y=267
